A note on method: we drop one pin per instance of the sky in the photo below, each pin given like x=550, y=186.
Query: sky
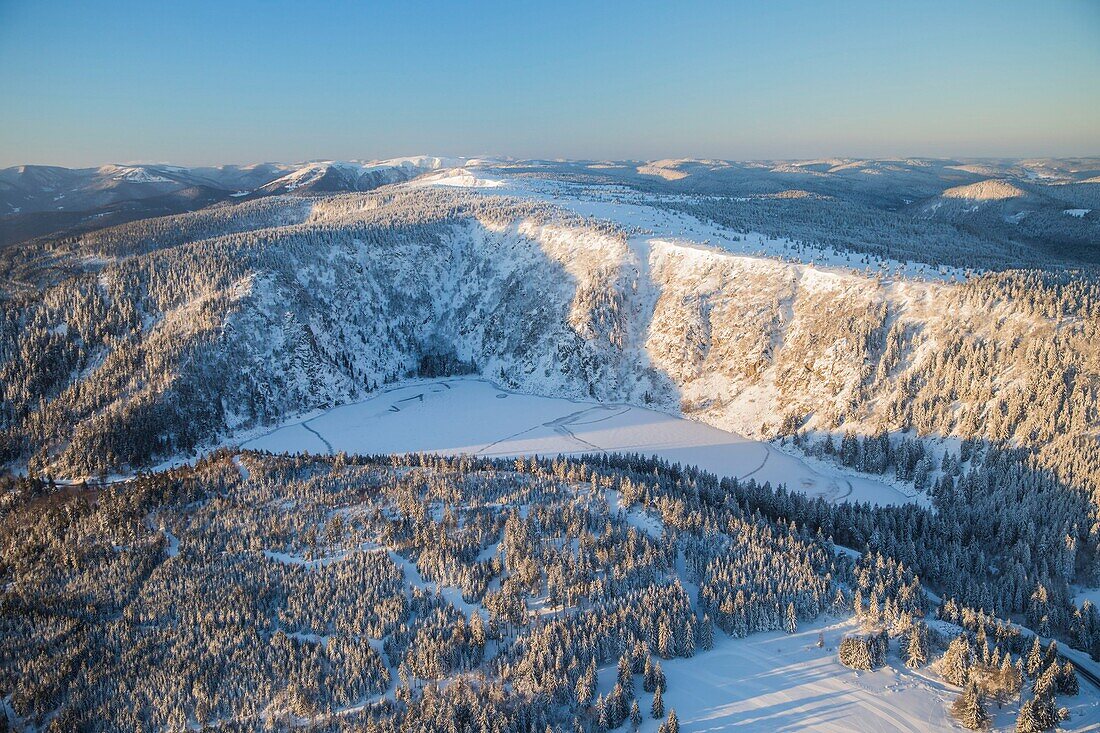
x=194, y=83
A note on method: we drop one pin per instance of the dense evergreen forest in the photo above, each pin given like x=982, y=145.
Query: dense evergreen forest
x=255, y=590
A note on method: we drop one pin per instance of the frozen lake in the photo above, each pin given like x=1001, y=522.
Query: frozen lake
x=473, y=416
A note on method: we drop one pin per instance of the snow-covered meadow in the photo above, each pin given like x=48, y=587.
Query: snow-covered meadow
x=774, y=682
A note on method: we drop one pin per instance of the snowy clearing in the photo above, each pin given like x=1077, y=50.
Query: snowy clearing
x=774, y=682
x=473, y=416
x=1086, y=594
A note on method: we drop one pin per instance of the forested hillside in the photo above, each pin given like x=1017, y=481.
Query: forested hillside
x=387, y=594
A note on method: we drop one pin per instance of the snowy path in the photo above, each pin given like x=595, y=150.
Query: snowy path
x=305, y=424
x=773, y=682
x=450, y=593
x=152, y=524
x=241, y=468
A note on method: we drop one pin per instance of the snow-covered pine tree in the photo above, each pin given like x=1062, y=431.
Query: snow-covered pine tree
x=955, y=663
x=916, y=651
x=706, y=633
x=968, y=709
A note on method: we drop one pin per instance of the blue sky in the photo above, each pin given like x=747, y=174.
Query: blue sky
x=197, y=82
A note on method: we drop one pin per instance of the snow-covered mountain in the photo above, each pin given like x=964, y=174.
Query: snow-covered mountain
x=334, y=176
x=991, y=190
x=165, y=334
x=47, y=200
x=31, y=188
x=953, y=357
x=37, y=201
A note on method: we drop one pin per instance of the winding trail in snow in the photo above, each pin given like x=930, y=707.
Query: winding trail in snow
x=612, y=416
x=482, y=451
x=323, y=439
x=561, y=426
x=767, y=455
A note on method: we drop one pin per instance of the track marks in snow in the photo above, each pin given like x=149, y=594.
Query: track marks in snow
x=451, y=594
x=306, y=425
x=561, y=425
x=767, y=455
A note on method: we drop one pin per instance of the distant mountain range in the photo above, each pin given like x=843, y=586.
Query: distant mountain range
x=48, y=200
x=995, y=196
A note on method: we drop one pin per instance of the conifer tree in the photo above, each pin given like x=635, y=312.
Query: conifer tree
x=706, y=633
x=1067, y=680
x=649, y=677
x=955, y=663
x=1034, y=662
x=968, y=709
x=791, y=620
x=916, y=652
x=626, y=675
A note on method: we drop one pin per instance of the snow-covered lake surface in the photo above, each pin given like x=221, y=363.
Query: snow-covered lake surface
x=473, y=416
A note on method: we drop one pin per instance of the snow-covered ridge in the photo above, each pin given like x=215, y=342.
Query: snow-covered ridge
x=991, y=190
x=132, y=174
x=460, y=177
x=353, y=175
